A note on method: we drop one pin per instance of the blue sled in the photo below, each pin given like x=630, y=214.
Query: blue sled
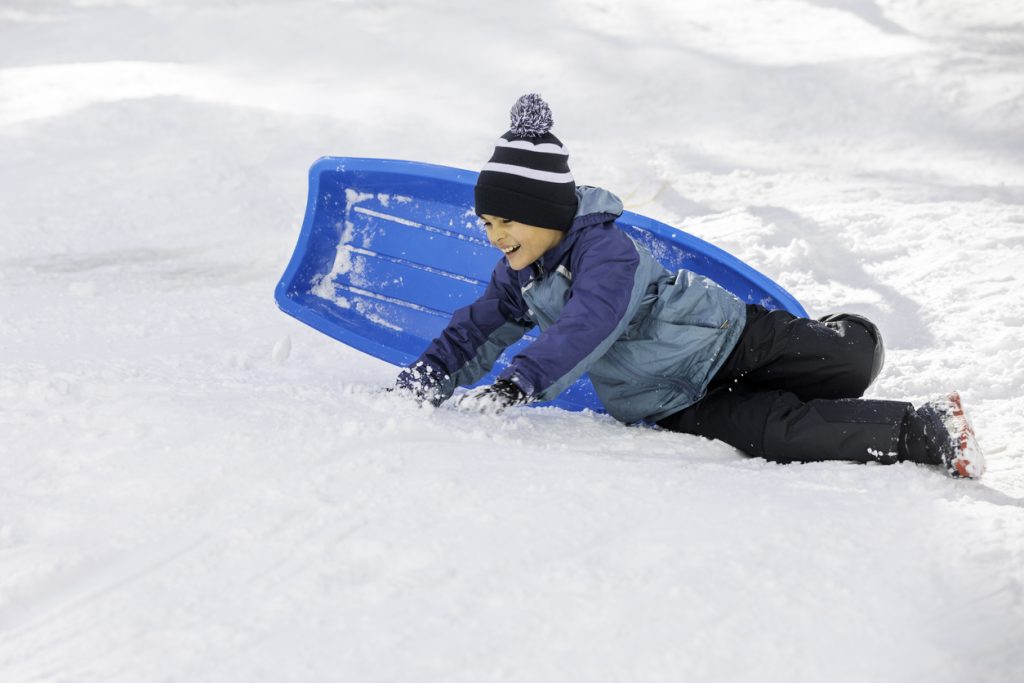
x=390, y=249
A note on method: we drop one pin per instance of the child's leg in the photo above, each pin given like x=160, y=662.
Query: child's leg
x=837, y=358
x=779, y=426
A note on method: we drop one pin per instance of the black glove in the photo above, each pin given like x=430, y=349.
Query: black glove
x=494, y=398
x=422, y=382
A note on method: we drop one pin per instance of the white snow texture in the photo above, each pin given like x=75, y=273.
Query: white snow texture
x=195, y=487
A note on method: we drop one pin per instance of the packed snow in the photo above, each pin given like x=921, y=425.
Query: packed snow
x=196, y=487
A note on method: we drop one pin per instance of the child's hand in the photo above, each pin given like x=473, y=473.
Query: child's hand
x=421, y=382
x=493, y=399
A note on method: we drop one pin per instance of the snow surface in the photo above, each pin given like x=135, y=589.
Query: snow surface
x=195, y=487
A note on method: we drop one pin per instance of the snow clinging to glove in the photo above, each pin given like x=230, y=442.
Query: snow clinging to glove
x=493, y=399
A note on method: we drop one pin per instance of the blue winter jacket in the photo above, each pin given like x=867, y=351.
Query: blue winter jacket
x=650, y=339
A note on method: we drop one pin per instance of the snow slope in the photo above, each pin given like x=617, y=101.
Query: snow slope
x=194, y=487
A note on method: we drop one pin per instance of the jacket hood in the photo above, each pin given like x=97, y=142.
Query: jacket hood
x=595, y=200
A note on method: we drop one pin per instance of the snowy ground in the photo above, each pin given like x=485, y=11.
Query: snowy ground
x=195, y=487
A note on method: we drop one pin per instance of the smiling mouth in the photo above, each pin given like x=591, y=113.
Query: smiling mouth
x=511, y=250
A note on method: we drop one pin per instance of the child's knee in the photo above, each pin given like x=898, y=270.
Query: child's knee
x=866, y=352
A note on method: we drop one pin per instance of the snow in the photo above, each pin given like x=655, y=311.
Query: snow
x=194, y=486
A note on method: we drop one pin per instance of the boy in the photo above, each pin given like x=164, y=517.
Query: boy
x=674, y=349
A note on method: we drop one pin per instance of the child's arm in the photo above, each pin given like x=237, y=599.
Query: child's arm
x=474, y=338
x=607, y=288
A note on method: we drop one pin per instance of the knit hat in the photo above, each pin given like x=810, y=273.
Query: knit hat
x=527, y=179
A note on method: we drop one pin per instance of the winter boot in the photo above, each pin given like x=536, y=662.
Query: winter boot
x=950, y=438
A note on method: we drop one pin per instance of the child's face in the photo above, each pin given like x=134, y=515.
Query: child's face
x=522, y=244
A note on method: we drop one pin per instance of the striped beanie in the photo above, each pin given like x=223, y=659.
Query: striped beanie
x=527, y=178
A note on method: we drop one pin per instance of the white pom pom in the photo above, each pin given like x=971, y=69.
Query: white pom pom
x=531, y=116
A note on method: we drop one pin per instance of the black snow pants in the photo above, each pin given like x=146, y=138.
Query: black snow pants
x=789, y=392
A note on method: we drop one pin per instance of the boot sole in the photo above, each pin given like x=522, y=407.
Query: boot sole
x=967, y=460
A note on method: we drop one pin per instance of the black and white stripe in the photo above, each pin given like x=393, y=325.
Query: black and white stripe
x=547, y=162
